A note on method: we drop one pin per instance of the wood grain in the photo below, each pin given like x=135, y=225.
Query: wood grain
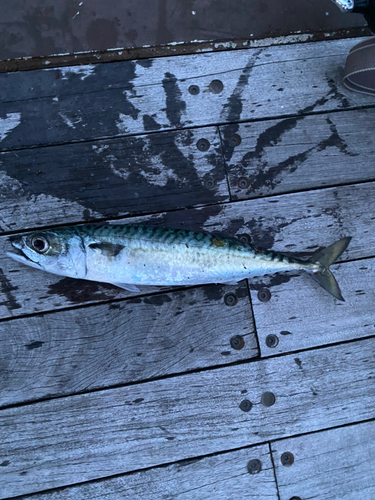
x=127, y=98
x=301, y=315
x=221, y=477
x=335, y=464
x=299, y=222
x=130, y=175
x=300, y=153
x=79, y=438
x=128, y=341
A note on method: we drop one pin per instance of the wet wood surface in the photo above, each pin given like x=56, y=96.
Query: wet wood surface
x=341, y=459
x=220, y=477
x=125, y=341
x=78, y=438
x=97, y=382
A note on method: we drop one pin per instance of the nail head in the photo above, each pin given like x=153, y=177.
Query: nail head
x=203, y=145
x=246, y=405
x=245, y=238
x=272, y=340
x=210, y=183
x=243, y=183
x=237, y=342
x=234, y=140
x=230, y=299
x=194, y=89
x=254, y=466
x=287, y=458
x=264, y=295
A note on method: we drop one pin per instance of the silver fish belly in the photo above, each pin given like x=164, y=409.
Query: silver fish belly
x=130, y=255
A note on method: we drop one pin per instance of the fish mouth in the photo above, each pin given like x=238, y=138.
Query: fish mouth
x=17, y=252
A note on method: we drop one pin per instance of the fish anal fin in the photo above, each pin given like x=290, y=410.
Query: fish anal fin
x=126, y=286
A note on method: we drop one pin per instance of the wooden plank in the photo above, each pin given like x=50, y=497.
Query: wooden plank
x=62, y=184
x=89, y=436
x=142, y=338
x=300, y=153
x=301, y=316
x=126, y=98
x=335, y=464
x=300, y=222
x=221, y=477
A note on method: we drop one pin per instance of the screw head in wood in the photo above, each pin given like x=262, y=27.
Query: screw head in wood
x=237, y=342
x=245, y=238
x=203, y=145
x=230, y=299
x=246, y=405
x=272, y=340
x=264, y=295
x=234, y=140
x=268, y=399
x=216, y=86
x=287, y=458
x=194, y=89
x=243, y=183
x=254, y=466
x=210, y=183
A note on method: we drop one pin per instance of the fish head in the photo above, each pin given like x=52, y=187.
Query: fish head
x=57, y=252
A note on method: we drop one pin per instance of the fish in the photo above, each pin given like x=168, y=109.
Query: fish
x=131, y=255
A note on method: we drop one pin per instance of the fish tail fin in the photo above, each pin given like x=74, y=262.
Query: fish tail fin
x=325, y=258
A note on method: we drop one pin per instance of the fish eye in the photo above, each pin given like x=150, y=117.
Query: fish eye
x=40, y=244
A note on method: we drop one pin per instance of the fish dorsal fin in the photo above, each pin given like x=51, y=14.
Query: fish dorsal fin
x=107, y=249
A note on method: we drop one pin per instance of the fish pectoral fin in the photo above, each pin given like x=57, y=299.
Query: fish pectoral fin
x=107, y=249
x=126, y=286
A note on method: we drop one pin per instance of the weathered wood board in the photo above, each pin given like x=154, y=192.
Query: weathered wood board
x=79, y=438
x=99, y=179
x=300, y=153
x=300, y=315
x=300, y=222
x=221, y=477
x=127, y=98
x=128, y=341
x=338, y=464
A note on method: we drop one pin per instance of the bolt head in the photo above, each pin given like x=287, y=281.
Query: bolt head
x=243, y=183
x=244, y=238
x=210, y=183
x=234, y=140
x=216, y=86
x=268, y=399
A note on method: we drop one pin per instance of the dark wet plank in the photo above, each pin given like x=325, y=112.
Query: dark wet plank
x=70, y=440
x=86, y=102
x=298, y=222
x=101, y=179
x=128, y=341
x=301, y=315
x=221, y=477
x=343, y=460
x=38, y=29
x=300, y=153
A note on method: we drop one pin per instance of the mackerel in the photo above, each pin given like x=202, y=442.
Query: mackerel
x=129, y=255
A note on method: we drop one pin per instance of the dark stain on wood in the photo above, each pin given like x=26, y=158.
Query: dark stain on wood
x=81, y=291
x=4, y=463
x=175, y=105
x=157, y=300
x=7, y=288
x=34, y=345
x=298, y=363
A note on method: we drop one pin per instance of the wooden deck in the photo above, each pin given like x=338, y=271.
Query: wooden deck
x=180, y=393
